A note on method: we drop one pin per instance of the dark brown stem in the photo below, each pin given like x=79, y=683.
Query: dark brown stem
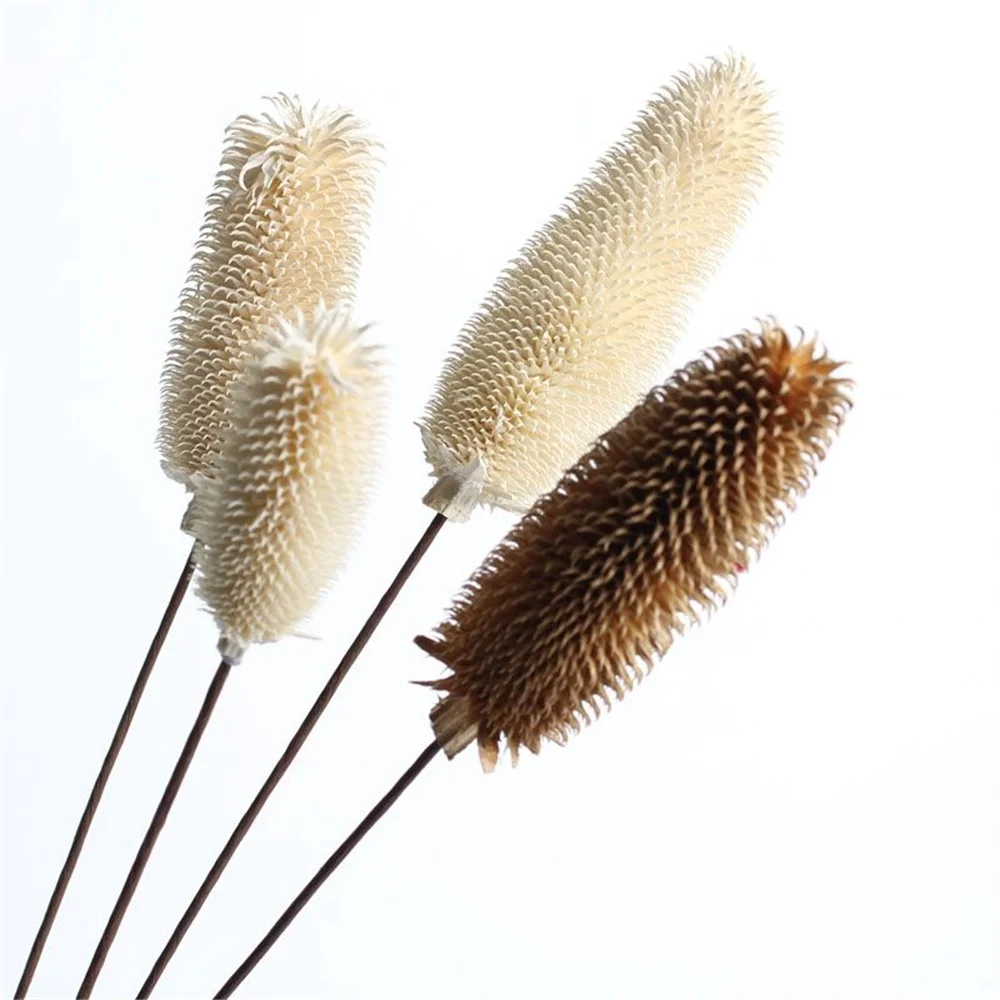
x=285, y=761
x=328, y=868
x=90, y=810
x=155, y=827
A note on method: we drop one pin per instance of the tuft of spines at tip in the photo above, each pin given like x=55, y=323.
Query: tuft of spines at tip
x=582, y=321
x=644, y=535
x=284, y=229
x=276, y=519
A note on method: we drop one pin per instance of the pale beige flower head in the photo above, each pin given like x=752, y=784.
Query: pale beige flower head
x=276, y=519
x=284, y=229
x=645, y=534
x=581, y=323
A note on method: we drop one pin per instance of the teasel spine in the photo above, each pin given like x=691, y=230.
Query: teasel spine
x=287, y=758
x=103, y=776
x=153, y=831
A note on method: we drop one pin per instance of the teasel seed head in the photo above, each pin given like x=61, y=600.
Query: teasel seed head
x=580, y=324
x=284, y=229
x=644, y=535
x=276, y=518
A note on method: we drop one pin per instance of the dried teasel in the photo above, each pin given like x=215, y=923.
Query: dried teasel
x=639, y=539
x=284, y=229
x=276, y=519
x=581, y=322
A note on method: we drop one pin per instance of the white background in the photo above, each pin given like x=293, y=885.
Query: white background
x=801, y=801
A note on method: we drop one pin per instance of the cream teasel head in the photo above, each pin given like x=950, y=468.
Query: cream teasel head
x=297, y=463
x=581, y=322
x=284, y=229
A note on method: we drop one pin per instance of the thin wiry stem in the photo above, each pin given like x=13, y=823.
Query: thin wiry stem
x=96, y=793
x=328, y=868
x=285, y=761
x=155, y=827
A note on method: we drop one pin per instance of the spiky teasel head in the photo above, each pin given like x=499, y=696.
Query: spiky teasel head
x=284, y=229
x=580, y=324
x=639, y=539
x=277, y=517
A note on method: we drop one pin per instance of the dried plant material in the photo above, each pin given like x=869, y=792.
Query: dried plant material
x=581, y=323
x=644, y=535
x=290, y=484
x=284, y=230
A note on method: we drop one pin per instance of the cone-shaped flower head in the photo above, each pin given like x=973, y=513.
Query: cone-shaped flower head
x=284, y=230
x=580, y=324
x=277, y=517
x=642, y=536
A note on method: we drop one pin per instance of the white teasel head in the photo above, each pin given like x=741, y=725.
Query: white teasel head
x=284, y=229
x=583, y=320
x=276, y=518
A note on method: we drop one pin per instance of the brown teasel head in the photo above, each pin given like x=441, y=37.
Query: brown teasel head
x=640, y=539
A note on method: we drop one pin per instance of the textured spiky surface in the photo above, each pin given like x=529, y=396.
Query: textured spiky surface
x=580, y=324
x=642, y=536
x=284, y=229
x=276, y=519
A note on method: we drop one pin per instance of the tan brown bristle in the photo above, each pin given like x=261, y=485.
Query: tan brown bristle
x=645, y=534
